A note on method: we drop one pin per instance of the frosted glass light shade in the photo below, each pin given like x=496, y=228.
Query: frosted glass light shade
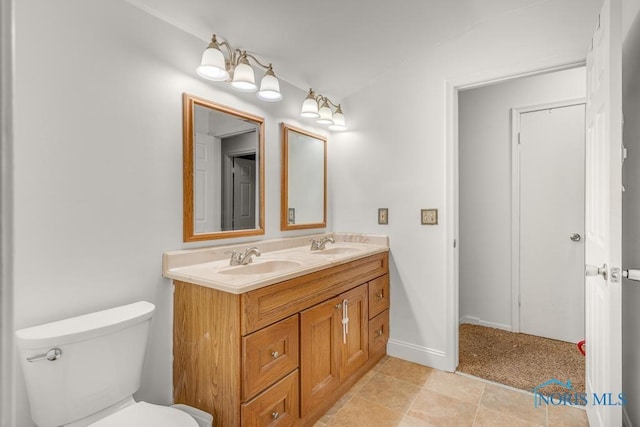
x=269, y=88
x=243, y=78
x=325, y=115
x=310, y=109
x=338, y=121
x=212, y=65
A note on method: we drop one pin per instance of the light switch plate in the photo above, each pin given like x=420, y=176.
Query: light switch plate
x=383, y=216
x=429, y=216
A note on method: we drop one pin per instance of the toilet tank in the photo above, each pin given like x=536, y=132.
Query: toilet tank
x=100, y=364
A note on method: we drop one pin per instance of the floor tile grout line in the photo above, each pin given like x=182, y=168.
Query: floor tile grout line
x=484, y=387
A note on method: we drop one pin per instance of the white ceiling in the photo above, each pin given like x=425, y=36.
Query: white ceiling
x=335, y=46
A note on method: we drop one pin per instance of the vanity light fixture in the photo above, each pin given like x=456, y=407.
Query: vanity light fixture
x=319, y=107
x=236, y=69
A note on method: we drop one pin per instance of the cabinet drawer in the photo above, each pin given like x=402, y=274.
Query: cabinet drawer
x=277, y=406
x=379, y=333
x=378, y=295
x=266, y=305
x=269, y=354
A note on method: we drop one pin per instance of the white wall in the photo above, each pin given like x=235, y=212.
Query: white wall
x=396, y=155
x=7, y=359
x=484, y=155
x=631, y=214
x=98, y=164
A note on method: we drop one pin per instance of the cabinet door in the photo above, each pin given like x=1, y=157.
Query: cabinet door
x=320, y=342
x=355, y=349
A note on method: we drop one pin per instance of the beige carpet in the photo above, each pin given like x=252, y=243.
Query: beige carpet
x=519, y=360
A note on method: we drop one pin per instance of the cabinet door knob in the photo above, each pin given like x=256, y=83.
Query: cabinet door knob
x=275, y=415
x=338, y=305
x=380, y=295
x=379, y=333
x=275, y=354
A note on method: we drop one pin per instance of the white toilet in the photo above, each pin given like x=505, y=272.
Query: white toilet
x=84, y=370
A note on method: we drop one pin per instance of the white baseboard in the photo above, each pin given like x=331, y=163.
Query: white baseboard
x=417, y=354
x=626, y=421
x=477, y=321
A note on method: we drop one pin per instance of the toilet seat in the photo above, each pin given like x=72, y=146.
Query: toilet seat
x=143, y=414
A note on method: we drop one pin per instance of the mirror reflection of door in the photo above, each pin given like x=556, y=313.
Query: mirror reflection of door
x=225, y=172
x=239, y=192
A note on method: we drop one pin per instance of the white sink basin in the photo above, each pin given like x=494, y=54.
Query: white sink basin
x=263, y=267
x=338, y=250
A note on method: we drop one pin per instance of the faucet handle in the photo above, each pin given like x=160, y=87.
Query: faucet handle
x=235, y=257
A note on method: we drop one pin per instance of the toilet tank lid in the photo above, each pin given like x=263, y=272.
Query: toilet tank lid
x=83, y=327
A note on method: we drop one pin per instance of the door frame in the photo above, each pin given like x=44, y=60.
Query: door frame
x=452, y=203
x=515, y=197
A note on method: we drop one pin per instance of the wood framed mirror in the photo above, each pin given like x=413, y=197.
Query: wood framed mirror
x=223, y=171
x=304, y=179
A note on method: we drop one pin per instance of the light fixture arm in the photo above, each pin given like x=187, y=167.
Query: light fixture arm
x=266, y=67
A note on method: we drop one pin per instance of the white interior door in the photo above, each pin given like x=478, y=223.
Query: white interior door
x=603, y=212
x=552, y=145
x=244, y=194
x=204, y=183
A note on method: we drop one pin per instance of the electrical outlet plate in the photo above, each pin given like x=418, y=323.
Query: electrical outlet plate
x=383, y=216
x=429, y=216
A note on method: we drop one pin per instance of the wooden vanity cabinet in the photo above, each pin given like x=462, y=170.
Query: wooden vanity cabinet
x=278, y=355
x=332, y=351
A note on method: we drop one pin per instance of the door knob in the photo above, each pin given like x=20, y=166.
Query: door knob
x=575, y=237
x=592, y=270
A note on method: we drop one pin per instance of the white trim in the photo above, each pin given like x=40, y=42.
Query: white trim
x=417, y=354
x=477, y=321
x=451, y=88
x=626, y=421
x=515, y=220
x=7, y=362
x=516, y=112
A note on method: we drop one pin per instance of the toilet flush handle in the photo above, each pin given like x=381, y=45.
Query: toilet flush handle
x=51, y=355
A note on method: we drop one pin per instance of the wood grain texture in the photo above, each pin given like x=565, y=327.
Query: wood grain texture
x=320, y=342
x=379, y=333
x=268, y=355
x=378, y=295
x=267, y=305
x=277, y=406
x=207, y=354
x=355, y=351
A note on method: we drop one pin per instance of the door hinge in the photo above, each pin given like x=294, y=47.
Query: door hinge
x=455, y=243
x=519, y=138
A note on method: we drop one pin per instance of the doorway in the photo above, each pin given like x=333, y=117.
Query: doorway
x=491, y=262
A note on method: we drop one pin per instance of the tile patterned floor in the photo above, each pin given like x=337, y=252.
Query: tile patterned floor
x=404, y=394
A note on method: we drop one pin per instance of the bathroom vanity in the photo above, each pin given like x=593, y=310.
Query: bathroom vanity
x=278, y=341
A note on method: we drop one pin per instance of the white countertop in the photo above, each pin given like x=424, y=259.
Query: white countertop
x=289, y=258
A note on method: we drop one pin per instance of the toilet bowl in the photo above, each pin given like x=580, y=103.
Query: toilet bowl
x=83, y=371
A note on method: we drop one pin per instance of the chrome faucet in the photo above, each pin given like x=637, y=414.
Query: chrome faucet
x=318, y=245
x=244, y=258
